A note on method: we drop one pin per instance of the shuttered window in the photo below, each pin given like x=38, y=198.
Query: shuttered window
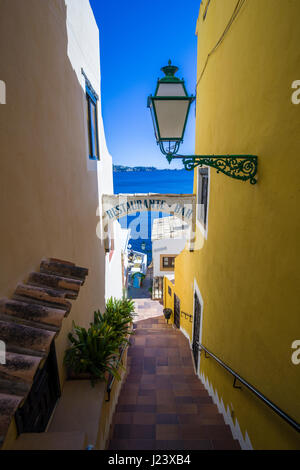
x=167, y=263
x=92, y=120
x=202, y=195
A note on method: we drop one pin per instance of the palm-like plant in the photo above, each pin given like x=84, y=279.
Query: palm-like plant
x=96, y=350
x=93, y=351
x=118, y=321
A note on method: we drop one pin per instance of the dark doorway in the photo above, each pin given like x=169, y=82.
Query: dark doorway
x=38, y=407
x=176, y=311
x=196, y=330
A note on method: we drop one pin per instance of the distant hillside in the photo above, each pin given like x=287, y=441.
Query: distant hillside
x=122, y=168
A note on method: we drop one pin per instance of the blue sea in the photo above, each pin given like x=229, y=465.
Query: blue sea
x=160, y=181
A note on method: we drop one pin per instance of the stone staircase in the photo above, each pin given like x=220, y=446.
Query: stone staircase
x=163, y=404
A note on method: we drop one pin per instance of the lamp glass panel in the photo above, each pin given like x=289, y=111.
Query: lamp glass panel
x=171, y=117
x=170, y=89
x=154, y=121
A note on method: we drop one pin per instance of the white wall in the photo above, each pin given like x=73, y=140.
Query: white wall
x=170, y=246
x=83, y=30
x=113, y=278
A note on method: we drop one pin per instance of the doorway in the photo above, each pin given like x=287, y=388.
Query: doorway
x=176, y=311
x=196, y=330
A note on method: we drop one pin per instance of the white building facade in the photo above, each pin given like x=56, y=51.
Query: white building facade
x=83, y=30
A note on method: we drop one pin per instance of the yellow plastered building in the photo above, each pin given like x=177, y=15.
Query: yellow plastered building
x=243, y=276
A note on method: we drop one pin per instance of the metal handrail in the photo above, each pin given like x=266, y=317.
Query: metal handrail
x=187, y=315
x=256, y=392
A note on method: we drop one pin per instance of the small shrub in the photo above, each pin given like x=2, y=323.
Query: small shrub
x=93, y=351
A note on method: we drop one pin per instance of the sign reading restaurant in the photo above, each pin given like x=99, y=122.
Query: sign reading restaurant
x=182, y=206
x=115, y=206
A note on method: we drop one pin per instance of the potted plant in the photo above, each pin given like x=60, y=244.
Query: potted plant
x=167, y=313
x=93, y=352
x=119, y=315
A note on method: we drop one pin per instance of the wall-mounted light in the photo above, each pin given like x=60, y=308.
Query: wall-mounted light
x=170, y=108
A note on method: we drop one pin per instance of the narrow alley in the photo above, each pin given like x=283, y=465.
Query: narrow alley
x=163, y=405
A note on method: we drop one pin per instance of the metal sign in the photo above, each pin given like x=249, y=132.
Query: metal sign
x=182, y=206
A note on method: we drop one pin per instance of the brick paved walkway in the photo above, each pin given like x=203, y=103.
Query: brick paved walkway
x=163, y=405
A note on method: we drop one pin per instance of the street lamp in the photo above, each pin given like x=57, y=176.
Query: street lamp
x=170, y=108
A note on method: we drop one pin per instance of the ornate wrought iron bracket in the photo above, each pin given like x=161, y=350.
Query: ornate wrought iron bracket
x=240, y=167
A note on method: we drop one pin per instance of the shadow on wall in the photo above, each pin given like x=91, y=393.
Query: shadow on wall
x=48, y=199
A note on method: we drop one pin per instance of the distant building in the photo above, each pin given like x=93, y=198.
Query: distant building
x=125, y=237
x=169, y=236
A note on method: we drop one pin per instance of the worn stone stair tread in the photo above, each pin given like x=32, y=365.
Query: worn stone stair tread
x=52, y=266
x=70, y=287
x=8, y=406
x=163, y=405
x=225, y=444
x=132, y=444
x=20, y=367
x=51, y=297
x=18, y=336
x=29, y=322
x=211, y=432
x=51, y=441
x=38, y=315
x=61, y=261
x=152, y=444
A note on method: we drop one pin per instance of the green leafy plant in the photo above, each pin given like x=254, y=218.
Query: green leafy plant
x=119, y=315
x=93, y=351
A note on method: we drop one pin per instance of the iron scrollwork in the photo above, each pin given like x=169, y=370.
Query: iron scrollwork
x=240, y=167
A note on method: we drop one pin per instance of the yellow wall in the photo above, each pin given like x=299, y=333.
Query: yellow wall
x=48, y=199
x=247, y=269
x=169, y=299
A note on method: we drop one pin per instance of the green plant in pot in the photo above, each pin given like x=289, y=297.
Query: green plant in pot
x=119, y=315
x=167, y=313
x=124, y=307
x=93, y=352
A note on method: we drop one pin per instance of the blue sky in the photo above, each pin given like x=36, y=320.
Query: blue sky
x=137, y=38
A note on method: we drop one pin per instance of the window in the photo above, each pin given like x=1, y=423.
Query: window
x=169, y=291
x=167, y=262
x=92, y=120
x=202, y=196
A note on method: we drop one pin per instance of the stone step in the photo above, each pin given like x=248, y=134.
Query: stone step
x=51, y=441
x=68, y=286
x=43, y=295
x=166, y=418
x=20, y=338
x=19, y=368
x=32, y=314
x=163, y=405
x=64, y=269
x=151, y=444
